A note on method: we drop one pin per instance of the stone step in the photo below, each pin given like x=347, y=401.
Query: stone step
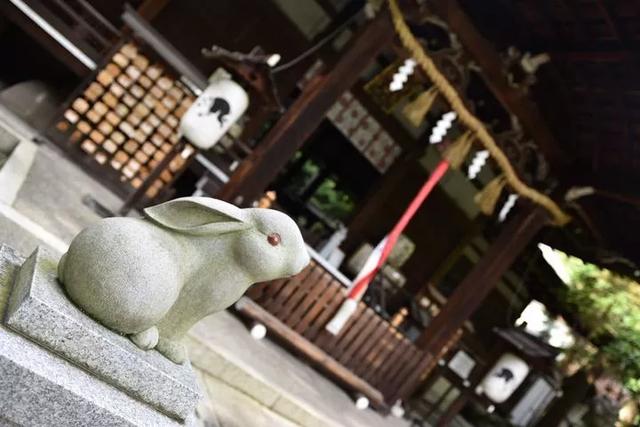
x=227, y=406
x=14, y=170
x=215, y=368
x=8, y=141
x=222, y=350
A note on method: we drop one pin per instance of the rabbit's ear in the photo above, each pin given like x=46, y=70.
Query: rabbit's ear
x=199, y=216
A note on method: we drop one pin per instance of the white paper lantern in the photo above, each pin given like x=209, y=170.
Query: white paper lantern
x=504, y=378
x=213, y=113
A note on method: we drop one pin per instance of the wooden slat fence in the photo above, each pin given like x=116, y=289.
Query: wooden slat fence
x=369, y=347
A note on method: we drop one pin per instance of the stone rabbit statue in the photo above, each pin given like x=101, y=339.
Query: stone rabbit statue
x=153, y=278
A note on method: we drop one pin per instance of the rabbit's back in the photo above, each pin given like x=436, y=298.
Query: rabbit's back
x=123, y=272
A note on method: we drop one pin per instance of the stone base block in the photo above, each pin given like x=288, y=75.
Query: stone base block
x=66, y=367
x=38, y=388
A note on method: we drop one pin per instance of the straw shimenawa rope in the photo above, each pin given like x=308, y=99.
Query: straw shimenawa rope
x=469, y=120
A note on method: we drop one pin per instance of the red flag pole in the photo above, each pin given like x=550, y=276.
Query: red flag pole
x=360, y=287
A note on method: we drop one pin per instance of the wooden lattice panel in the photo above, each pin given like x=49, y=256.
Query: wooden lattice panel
x=127, y=118
x=368, y=346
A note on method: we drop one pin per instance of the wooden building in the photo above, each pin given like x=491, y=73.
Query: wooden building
x=552, y=82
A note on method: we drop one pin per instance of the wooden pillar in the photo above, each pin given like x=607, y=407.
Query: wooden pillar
x=303, y=117
x=454, y=408
x=149, y=9
x=496, y=351
x=475, y=287
x=575, y=389
x=481, y=280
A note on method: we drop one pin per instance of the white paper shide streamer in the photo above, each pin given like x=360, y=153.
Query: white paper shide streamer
x=477, y=163
x=402, y=75
x=442, y=127
x=506, y=208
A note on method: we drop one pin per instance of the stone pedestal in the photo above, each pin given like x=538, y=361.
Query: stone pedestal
x=59, y=367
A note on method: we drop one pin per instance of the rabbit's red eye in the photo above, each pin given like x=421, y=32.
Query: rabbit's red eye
x=273, y=239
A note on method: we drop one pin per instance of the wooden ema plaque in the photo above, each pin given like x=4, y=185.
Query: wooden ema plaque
x=124, y=120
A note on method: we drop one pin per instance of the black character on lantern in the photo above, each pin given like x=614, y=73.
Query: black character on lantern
x=505, y=374
x=218, y=106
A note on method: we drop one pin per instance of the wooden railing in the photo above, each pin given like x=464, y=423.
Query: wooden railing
x=368, y=356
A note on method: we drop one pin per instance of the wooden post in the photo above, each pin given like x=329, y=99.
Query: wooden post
x=454, y=408
x=457, y=405
x=475, y=287
x=575, y=389
x=481, y=280
x=303, y=117
x=149, y=9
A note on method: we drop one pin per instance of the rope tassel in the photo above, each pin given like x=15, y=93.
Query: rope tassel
x=488, y=197
x=458, y=150
x=416, y=110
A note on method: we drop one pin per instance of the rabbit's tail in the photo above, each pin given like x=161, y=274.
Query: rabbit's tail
x=61, y=268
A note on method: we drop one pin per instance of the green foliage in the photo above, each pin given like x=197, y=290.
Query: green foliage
x=307, y=173
x=332, y=201
x=608, y=305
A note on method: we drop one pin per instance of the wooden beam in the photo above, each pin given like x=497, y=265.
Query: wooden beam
x=611, y=23
x=43, y=38
x=483, y=278
x=573, y=55
x=514, y=100
x=312, y=352
x=328, y=8
x=149, y=9
x=307, y=112
x=622, y=198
